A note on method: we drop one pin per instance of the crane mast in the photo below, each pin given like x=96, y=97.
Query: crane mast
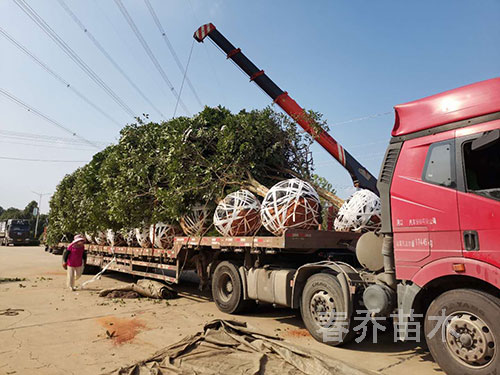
x=359, y=174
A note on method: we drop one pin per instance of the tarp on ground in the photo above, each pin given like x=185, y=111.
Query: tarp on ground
x=230, y=347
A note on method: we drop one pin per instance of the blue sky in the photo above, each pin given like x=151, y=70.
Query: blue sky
x=345, y=59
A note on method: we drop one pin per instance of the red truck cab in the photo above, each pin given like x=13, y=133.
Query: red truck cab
x=445, y=194
x=440, y=192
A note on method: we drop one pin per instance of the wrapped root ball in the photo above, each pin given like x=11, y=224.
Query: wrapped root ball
x=130, y=237
x=90, y=239
x=361, y=212
x=162, y=235
x=291, y=204
x=195, y=223
x=114, y=238
x=238, y=214
x=142, y=237
x=100, y=238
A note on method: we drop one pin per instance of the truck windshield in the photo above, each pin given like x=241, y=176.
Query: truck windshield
x=18, y=228
x=482, y=170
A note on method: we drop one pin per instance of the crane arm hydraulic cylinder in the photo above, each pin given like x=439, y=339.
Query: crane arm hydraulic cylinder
x=360, y=175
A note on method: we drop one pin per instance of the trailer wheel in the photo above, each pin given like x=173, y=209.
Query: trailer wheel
x=467, y=341
x=227, y=290
x=322, y=309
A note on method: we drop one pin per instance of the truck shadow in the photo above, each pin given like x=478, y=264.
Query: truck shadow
x=385, y=343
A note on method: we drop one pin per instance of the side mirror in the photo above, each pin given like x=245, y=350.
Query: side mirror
x=485, y=140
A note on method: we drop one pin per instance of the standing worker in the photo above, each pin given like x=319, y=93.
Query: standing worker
x=73, y=260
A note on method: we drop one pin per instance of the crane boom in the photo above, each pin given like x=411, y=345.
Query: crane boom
x=360, y=175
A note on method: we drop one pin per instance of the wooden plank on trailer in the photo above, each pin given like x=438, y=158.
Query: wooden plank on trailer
x=155, y=265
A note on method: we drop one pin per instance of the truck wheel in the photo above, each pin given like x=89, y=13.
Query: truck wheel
x=467, y=343
x=322, y=309
x=227, y=290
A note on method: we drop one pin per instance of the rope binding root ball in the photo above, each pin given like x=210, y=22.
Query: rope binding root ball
x=291, y=203
x=114, y=238
x=162, y=235
x=142, y=236
x=360, y=213
x=195, y=223
x=100, y=238
x=238, y=214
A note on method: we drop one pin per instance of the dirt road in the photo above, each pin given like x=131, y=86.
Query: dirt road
x=57, y=331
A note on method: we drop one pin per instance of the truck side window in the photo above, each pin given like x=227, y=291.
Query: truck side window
x=482, y=170
x=439, y=167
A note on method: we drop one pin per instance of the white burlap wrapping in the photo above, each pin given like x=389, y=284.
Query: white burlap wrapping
x=238, y=214
x=142, y=236
x=361, y=212
x=195, y=223
x=130, y=237
x=163, y=235
x=90, y=239
x=100, y=238
x=114, y=238
x=291, y=203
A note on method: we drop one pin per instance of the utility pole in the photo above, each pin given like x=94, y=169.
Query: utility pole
x=38, y=210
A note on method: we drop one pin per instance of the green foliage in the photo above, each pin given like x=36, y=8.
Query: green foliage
x=322, y=183
x=157, y=172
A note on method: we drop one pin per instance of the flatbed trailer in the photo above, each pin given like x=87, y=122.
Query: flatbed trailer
x=202, y=253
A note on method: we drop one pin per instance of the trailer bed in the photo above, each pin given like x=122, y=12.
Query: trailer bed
x=167, y=264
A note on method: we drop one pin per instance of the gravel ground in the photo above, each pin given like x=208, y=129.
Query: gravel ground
x=56, y=331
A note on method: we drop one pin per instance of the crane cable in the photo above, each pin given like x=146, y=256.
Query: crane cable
x=171, y=49
x=31, y=13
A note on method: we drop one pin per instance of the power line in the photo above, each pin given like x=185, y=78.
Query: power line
x=184, y=77
x=127, y=42
x=172, y=50
x=72, y=54
x=107, y=55
x=45, y=146
x=45, y=160
x=145, y=45
x=46, y=138
x=55, y=75
x=45, y=117
x=362, y=118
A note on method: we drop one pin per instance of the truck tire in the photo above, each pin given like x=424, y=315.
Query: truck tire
x=227, y=289
x=321, y=296
x=471, y=332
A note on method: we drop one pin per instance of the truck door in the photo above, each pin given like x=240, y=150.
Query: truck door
x=479, y=195
x=424, y=204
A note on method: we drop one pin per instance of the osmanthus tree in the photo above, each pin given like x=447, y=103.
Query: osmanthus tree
x=159, y=171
